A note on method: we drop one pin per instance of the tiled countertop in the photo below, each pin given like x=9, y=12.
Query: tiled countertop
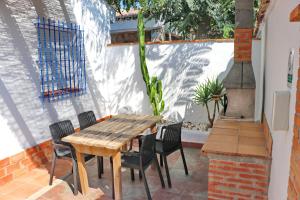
x=229, y=137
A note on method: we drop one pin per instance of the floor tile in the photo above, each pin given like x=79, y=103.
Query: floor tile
x=191, y=186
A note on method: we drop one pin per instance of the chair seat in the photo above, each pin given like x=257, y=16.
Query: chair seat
x=131, y=160
x=63, y=152
x=66, y=152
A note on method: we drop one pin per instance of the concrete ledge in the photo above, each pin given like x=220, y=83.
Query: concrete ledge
x=174, y=42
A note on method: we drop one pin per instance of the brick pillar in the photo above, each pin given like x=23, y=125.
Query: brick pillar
x=294, y=178
x=243, y=44
x=235, y=177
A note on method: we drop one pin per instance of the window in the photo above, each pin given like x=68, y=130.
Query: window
x=61, y=59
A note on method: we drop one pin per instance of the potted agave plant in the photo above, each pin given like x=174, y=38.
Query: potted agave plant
x=211, y=91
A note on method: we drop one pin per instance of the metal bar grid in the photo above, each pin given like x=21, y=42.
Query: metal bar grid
x=61, y=59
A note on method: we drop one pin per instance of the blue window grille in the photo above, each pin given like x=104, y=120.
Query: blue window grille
x=61, y=59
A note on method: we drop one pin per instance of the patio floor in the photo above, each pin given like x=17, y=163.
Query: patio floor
x=193, y=186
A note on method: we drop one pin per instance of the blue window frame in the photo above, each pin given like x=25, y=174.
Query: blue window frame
x=61, y=59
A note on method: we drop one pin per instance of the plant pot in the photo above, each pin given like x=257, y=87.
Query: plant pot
x=194, y=136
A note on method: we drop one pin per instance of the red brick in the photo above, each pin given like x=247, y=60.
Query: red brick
x=2, y=172
x=216, y=183
x=215, y=177
x=4, y=163
x=229, y=168
x=238, y=180
x=210, y=195
x=260, y=172
x=261, y=197
x=257, y=166
x=297, y=120
x=223, y=162
x=6, y=179
x=214, y=190
x=298, y=106
x=298, y=95
x=46, y=144
x=298, y=84
x=246, y=187
x=262, y=184
x=11, y=168
x=33, y=166
x=250, y=176
x=213, y=172
x=16, y=158
x=31, y=151
x=236, y=194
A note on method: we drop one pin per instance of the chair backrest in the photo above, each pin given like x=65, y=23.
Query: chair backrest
x=147, y=150
x=86, y=119
x=61, y=129
x=171, y=135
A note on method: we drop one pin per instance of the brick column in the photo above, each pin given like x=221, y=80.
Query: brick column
x=236, y=177
x=294, y=178
x=243, y=44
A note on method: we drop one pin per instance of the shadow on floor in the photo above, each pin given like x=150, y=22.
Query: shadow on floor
x=193, y=186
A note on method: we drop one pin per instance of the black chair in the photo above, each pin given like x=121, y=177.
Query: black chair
x=169, y=142
x=63, y=149
x=142, y=160
x=87, y=119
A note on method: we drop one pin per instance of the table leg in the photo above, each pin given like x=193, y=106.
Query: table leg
x=124, y=147
x=117, y=175
x=82, y=173
x=153, y=129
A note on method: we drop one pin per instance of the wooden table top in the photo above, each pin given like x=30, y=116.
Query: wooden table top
x=114, y=132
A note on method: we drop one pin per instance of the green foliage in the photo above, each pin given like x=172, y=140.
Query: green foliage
x=202, y=94
x=142, y=52
x=155, y=97
x=153, y=86
x=216, y=87
x=193, y=19
x=211, y=90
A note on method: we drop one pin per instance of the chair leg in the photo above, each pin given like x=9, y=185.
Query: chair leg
x=132, y=174
x=159, y=172
x=75, y=174
x=146, y=184
x=112, y=177
x=140, y=144
x=167, y=171
x=102, y=163
x=130, y=145
x=52, y=168
x=161, y=160
x=184, y=162
x=100, y=166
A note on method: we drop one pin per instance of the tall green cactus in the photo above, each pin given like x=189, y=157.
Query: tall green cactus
x=153, y=85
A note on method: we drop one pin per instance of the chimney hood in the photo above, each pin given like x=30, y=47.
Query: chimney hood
x=240, y=80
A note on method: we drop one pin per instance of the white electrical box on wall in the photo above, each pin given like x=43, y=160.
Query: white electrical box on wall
x=281, y=110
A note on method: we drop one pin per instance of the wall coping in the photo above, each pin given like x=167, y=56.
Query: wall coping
x=176, y=42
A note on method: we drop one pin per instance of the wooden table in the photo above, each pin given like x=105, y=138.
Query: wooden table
x=107, y=139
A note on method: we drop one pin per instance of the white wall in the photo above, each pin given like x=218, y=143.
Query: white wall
x=24, y=119
x=281, y=35
x=181, y=66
